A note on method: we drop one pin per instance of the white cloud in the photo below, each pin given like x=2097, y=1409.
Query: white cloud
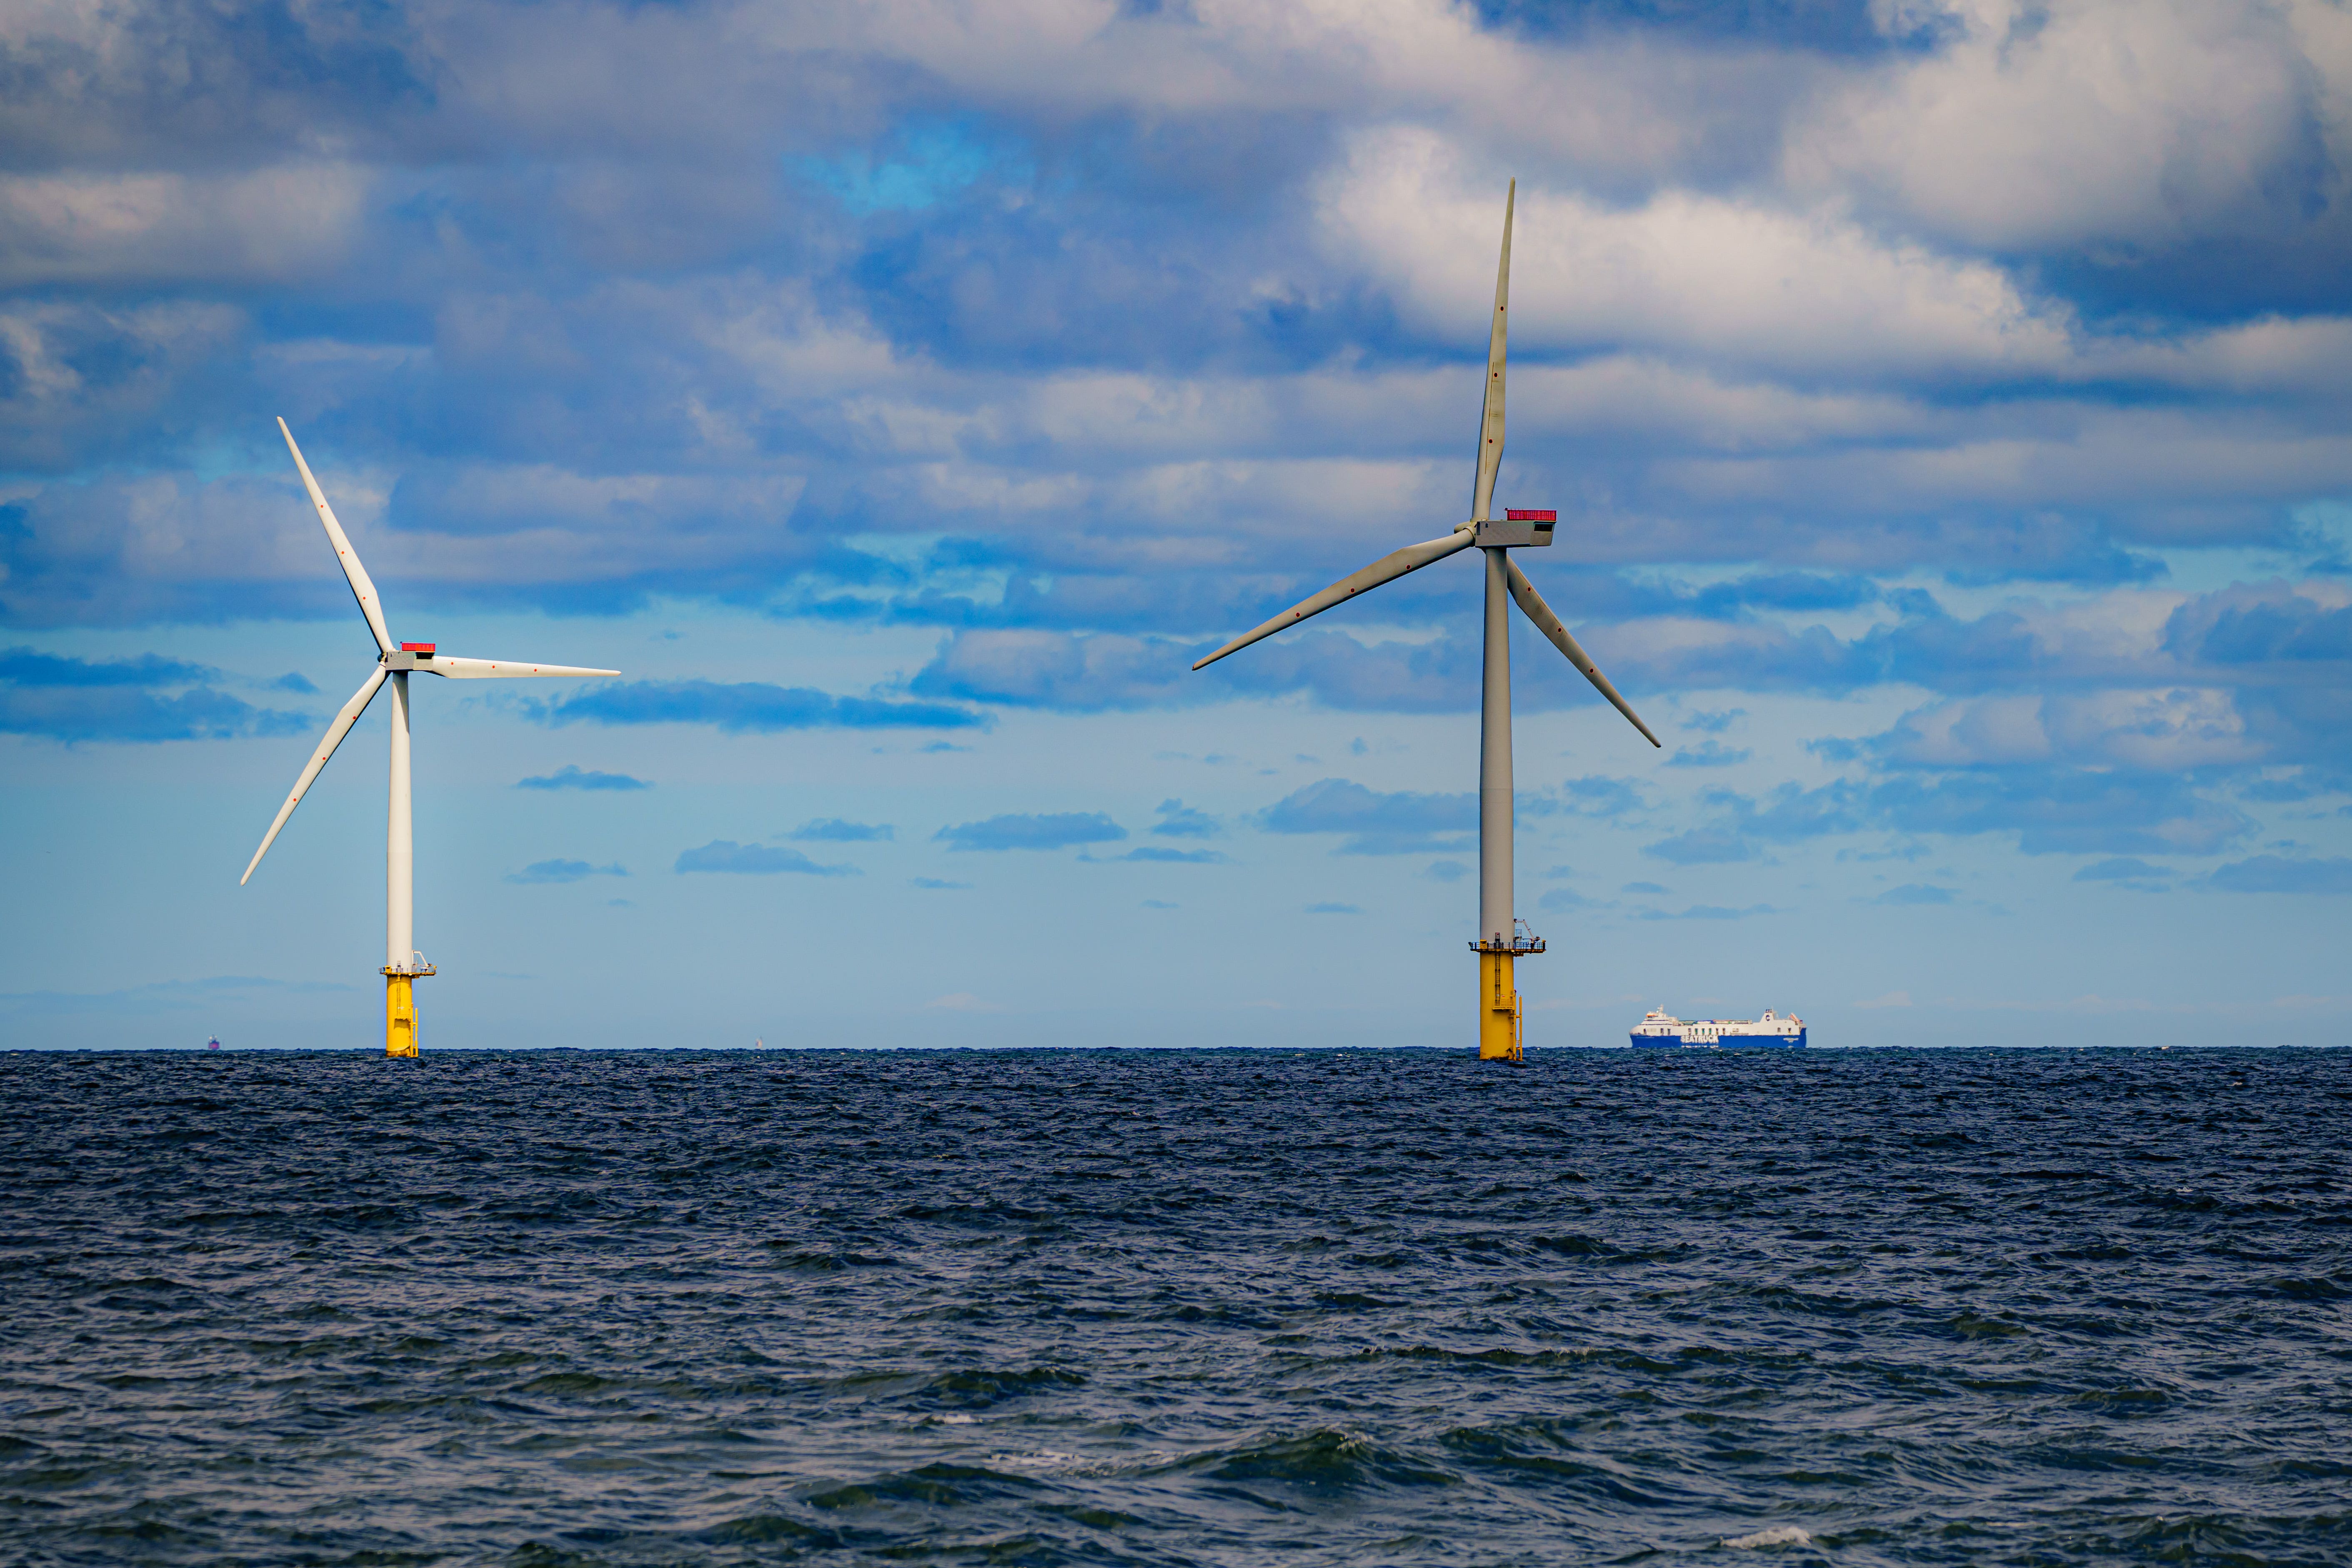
x=2143, y=121
x=274, y=225
x=1739, y=280
x=2172, y=728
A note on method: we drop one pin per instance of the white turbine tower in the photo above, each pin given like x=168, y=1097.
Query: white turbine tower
x=402, y=963
x=1499, y=942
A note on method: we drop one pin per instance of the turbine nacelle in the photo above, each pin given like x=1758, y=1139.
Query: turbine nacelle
x=1518, y=531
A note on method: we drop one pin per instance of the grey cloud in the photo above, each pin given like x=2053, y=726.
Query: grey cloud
x=1375, y=822
x=1178, y=820
x=834, y=830
x=1153, y=852
x=571, y=776
x=129, y=699
x=1708, y=753
x=1703, y=846
x=1914, y=893
x=1713, y=723
x=563, y=871
x=724, y=854
x=2059, y=811
x=1020, y=830
x=288, y=222
x=2279, y=874
x=83, y=381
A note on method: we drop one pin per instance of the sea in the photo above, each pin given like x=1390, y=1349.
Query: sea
x=1178, y=1306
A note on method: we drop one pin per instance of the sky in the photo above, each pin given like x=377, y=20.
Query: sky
x=1947, y=404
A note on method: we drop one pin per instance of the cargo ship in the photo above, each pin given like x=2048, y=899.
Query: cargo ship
x=1773, y=1029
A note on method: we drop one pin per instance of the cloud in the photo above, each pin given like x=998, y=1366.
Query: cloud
x=1709, y=753
x=271, y=226
x=834, y=830
x=1022, y=831
x=1892, y=999
x=2051, y=809
x=74, y=700
x=935, y=885
x=563, y=871
x=1703, y=846
x=1914, y=893
x=2270, y=624
x=754, y=860
x=748, y=707
x=1748, y=281
x=2175, y=727
x=2062, y=811
x=2278, y=874
x=1592, y=796
x=1178, y=820
x=1375, y=822
x=1153, y=852
x=1714, y=723
x=27, y=666
x=2087, y=123
x=1446, y=870
x=571, y=776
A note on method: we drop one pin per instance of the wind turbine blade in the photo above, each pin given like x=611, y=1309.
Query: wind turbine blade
x=334, y=737
x=363, y=587
x=1387, y=569
x=1524, y=591
x=1490, y=424
x=496, y=668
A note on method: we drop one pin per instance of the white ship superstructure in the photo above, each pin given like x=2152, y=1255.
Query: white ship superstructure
x=1773, y=1029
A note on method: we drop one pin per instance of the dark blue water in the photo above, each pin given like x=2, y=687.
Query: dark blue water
x=1213, y=1308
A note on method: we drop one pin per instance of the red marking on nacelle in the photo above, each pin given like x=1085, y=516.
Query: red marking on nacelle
x=1512, y=515
x=418, y=647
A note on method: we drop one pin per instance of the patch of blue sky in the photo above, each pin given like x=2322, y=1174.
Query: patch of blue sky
x=2314, y=541
x=927, y=163
x=1829, y=27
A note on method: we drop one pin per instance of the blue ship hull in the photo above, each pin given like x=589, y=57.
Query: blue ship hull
x=1732, y=1043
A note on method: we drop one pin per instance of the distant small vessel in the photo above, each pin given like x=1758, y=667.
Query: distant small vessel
x=1777, y=1030
x=213, y=1044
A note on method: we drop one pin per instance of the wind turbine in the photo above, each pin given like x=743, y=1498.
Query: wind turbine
x=1499, y=942
x=403, y=965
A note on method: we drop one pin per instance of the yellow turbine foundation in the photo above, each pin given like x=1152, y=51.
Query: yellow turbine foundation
x=400, y=1010
x=1498, y=1007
